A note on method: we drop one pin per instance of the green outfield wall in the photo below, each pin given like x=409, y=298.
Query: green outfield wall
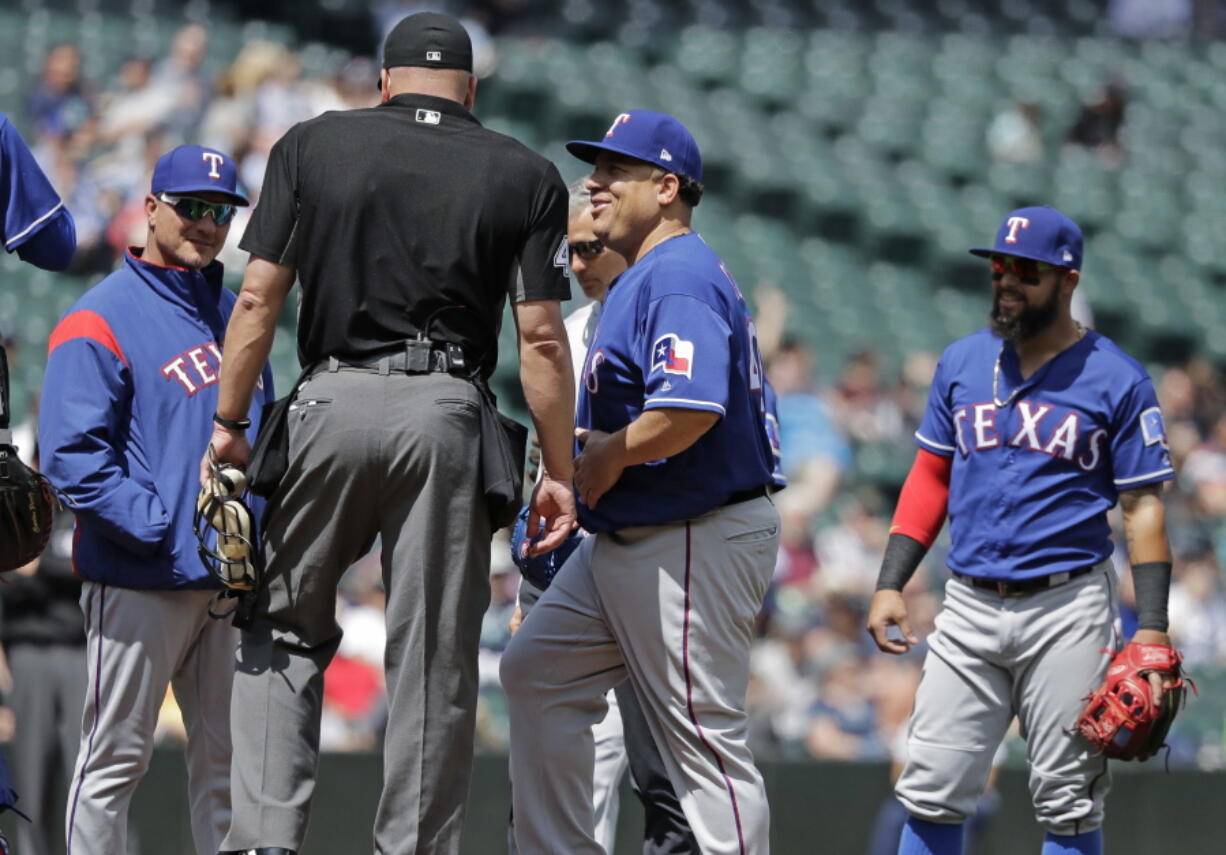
x=817, y=808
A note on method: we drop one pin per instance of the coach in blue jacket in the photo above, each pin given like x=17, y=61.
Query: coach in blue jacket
x=128, y=399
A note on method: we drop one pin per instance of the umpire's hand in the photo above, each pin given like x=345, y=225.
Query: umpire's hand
x=888, y=609
x=553, y=499
x=225, y=446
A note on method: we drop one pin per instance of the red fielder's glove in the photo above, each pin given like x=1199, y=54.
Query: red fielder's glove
x=1121, y=718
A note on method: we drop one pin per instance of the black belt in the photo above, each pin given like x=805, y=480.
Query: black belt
x=1023, y=586
x=746, y=495
x=412, y=357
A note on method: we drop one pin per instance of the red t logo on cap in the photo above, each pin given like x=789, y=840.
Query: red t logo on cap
x=215, y=160
x=1014, y=224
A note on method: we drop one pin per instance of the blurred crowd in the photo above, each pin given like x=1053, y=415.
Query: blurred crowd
x=818, y=688
x=98, y=141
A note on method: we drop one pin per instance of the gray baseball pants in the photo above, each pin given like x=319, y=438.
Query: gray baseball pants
x=673, y=608
x=396, y=455
x=611, y=759
x=1035, y=656
x=47, y=698
x=138, y=643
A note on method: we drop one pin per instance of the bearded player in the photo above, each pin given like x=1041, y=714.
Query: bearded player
x=1035, y=428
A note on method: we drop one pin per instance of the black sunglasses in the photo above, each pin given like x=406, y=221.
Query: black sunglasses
x=587, y=249
x=193, y=209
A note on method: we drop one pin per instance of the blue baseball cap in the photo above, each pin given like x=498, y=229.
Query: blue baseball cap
x=1039, y=233
x=646, y=135
x=196, y=169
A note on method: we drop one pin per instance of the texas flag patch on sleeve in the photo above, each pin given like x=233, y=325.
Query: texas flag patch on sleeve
x=673, y=355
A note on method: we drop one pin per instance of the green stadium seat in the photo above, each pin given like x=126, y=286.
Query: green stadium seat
x=708, y=56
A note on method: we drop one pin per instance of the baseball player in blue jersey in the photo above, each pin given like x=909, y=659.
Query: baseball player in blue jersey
x=1035, y=428
x=672, y=480
x=622, y=738
x=128, y=398
x=36, y=224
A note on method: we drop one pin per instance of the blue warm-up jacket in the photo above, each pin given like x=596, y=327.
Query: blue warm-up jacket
x=127, y=408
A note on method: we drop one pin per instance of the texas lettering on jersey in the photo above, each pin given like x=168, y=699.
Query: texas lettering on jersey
x=1043, y=428
x=1034, y=476
x=197, y=368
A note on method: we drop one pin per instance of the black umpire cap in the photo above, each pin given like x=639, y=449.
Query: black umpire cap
x=428, y=40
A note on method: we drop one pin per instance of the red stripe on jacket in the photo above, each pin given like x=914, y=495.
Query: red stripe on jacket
x=86, y=324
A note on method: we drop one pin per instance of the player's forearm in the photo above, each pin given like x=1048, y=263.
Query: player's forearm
x=250, y=333
x=1149, y=552
x=548, y=382
x=1145, y=525
x=661, y=433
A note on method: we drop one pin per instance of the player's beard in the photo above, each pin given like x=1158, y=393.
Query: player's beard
x=1027, y=323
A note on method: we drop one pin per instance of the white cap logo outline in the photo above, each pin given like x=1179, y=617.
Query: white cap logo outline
x=1014, y=224
x=621, y=119
x=215, y=161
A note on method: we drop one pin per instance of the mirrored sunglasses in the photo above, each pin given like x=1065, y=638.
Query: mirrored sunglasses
x=194, y=209
x=586, y=249
x=1027, y=271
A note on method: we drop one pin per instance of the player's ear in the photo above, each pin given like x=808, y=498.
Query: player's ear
x=151, y=206
x=667, y=189
x=385, y=85
x=1071, y=278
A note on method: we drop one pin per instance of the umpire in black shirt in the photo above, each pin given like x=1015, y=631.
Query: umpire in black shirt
x=403, y=219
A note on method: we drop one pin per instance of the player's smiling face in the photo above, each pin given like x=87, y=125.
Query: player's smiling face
x=625, y=204
x=182, y=242
x=1025, y=297
x=594, y=268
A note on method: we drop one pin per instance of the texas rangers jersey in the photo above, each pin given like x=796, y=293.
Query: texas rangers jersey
x=1037, y=463
x=127, y=409
x=30, y=209
x=675, y=333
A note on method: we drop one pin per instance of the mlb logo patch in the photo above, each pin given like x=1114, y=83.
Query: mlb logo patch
x=1152, y=427
x=429, y=117
x=673, y=355
x=434, y=56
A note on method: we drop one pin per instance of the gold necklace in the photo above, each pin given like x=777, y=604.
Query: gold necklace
x=1081, y=331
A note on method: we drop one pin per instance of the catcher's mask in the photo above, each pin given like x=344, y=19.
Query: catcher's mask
x=225, y=529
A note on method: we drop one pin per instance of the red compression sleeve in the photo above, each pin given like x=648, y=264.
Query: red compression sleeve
x=925, y=494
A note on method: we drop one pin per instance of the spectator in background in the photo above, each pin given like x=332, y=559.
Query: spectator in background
x=1015, y=135
x=134, y=106
x=180, y=74
x=814, y=451
x=59, y=102
x=848, y=551
x=1151, y=19
x=1204, y=472
x=864, y=409
x=1098, y=124
x=229, y=119
x=1198, y=609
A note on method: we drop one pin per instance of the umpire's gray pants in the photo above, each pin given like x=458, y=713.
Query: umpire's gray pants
x=1035, y=656
x=396, y=455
